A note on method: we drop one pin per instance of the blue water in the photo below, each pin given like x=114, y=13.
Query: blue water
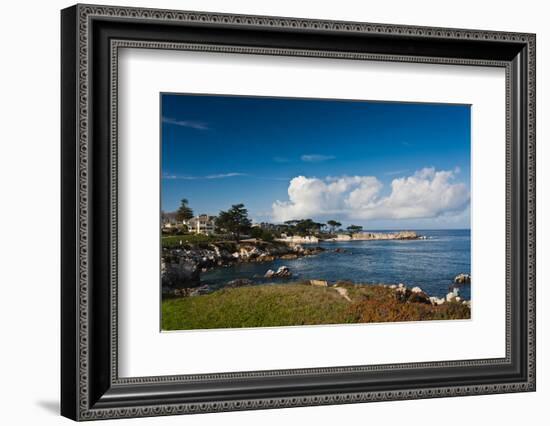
x=430, y=264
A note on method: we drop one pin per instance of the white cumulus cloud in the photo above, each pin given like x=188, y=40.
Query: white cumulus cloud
x=427, y=193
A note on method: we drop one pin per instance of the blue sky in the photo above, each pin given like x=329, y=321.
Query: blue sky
x=382, y=165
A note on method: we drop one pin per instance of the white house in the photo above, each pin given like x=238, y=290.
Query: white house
x=202, y=224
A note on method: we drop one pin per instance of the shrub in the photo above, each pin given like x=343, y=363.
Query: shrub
x=267, y=236
x=256, y=232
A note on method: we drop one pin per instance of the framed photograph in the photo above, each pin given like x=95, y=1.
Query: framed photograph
x=263, y=212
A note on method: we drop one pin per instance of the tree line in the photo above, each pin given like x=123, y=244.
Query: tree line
x=235, y=221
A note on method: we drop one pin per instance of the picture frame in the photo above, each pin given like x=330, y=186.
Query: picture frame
x=90, y=384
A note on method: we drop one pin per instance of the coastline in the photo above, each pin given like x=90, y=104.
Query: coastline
x=358, y=236
x=202, y=267
x=181, y=265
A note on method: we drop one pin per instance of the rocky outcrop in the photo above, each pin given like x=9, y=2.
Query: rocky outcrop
x=367, y=236
x=462, y=279
x=416, y=295
x=296, y=239
x=402, y=235
x=282, y=272
x=176, y=271
x=203, y=289
x=453, y=296
x=181, y=266
x=239, y=282
x=290, y=256
x=187, y=291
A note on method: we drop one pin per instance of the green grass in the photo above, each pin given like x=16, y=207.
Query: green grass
x=296, y=304
x=257, y=306
x=174, y=240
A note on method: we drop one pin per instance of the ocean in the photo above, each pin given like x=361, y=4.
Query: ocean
x=430, y=264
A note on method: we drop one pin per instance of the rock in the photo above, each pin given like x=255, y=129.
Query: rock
x=203, y=289
x=343, y=237
x=248, y=252
x=343, y=292
x=402, y=235
x=283, y=272
x=414, y=295
x=319, y=283
x=340, y=250
x=298, y=248
x=296, y=239
x=393, y=286
x=311, y=251
x=239, y=282
x=462, y=279
x=437, y=300
x=402, y=293
x=419, y=297
x=175, y=292
x=452, y=295
x=180, y=273
x=181, y=266
x=289, y=256
x=182, y=292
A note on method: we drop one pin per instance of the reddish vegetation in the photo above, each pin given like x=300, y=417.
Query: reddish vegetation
x=378, y=306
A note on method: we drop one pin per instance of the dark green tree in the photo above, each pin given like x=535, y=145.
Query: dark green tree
x=308, y=227
x=353, y=229
x=304, y=226
x=256, y=232
x=267, y=236
x=333, y=225
x=184, y=212
x=289, y=227
x=316, y=227
x=235, y=220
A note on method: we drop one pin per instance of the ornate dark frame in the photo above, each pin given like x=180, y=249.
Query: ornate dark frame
x=91, y=37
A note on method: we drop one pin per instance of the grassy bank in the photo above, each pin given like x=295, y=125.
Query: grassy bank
x=298, y=304
x=171, y=241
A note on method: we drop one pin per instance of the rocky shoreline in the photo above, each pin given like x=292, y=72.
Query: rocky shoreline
x=358, y=236
x=181, y=267
x=374, y=236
